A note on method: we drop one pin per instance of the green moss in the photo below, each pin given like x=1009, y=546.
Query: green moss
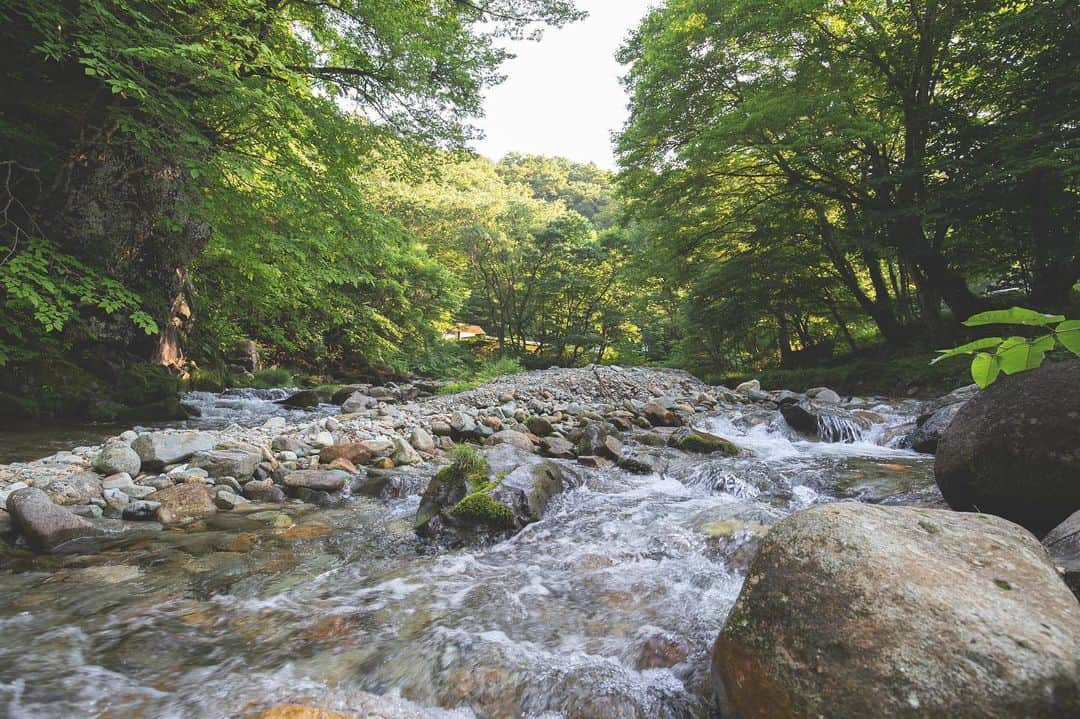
x=146, y=383
x=694, y=442
x=47, y=388
x=479, y=509
x=471, y=466
x=468, y=467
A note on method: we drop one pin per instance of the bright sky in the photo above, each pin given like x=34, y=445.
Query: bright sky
x=562, y=94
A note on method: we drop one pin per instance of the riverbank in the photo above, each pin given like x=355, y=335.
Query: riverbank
x=607, y=602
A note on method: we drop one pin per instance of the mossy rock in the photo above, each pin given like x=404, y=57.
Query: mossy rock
x=701, y=443
x=48, y=388
x=163, y=409
x=146, y=383
x=467, y=474
x=479, y=511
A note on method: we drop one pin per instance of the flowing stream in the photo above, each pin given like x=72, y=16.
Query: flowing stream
x=210, y=410
x=607, y=607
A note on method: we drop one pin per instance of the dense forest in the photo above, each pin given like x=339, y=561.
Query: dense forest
x=799, y=182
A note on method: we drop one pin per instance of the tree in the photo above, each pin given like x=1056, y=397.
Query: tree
x=122, y=120
x=872, y=118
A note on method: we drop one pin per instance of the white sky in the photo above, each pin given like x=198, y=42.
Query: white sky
x=562, y=94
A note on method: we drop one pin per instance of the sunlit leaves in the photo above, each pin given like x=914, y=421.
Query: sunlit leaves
x=1014, y=354
x=1068, y=334
x=984, y=369
x=1013, y=316
x=969, y=348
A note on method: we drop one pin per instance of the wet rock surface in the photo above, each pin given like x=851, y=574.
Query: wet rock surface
x=980, y=625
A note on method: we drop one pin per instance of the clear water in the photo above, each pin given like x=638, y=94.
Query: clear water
x=608, y=607
x=211, y=410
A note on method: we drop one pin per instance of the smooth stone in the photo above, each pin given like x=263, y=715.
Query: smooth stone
x=422, y=441
x=226, y=462
x=182, y=502
x=317, y=479
x=355, y=452
x=117, y=458
x=264, y=491
x=157, y=449
x=118, y=481
x=404, y=454
x=557, y=447
x=46, y=526
x=79, y=488
x=1063, y=543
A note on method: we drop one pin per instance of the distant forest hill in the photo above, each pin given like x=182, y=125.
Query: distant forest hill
x=798, y=182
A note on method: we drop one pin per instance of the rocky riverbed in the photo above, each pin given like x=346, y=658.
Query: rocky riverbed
x=580, y=561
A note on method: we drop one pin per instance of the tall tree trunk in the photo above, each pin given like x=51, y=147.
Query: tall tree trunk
x=1056, y=263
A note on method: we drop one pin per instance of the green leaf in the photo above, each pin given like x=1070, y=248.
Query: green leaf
x=969, y=348
x=1068, y=334
x=984, y=369
x=1013, y=316
x=1017, y=354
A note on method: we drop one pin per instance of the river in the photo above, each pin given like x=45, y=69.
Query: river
x=607, y=607
x=210, y=410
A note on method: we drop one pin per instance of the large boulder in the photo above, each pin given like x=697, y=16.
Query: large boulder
x=927, y=435
x=1063, y=543
x=157, y=449
x=358, y=402
x=78, y=488
x=183, y=503
x=302, y=399
x=1014, y=449
x=117, y=457
x=854, y=610
x=702, y=442
x=238, y=463
x=319, y=480
x=355, y=452
x=824, y=420
x=46, y=526
x=529, y=488
x=478, y=496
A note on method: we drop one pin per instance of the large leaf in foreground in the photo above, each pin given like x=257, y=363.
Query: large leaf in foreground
x=1068, y=334
x=1013, y=316
x=984, y=369
x=969, y=348
x=1017, y=354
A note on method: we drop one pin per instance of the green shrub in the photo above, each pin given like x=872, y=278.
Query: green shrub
x=273, y=377
x=207, y=379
